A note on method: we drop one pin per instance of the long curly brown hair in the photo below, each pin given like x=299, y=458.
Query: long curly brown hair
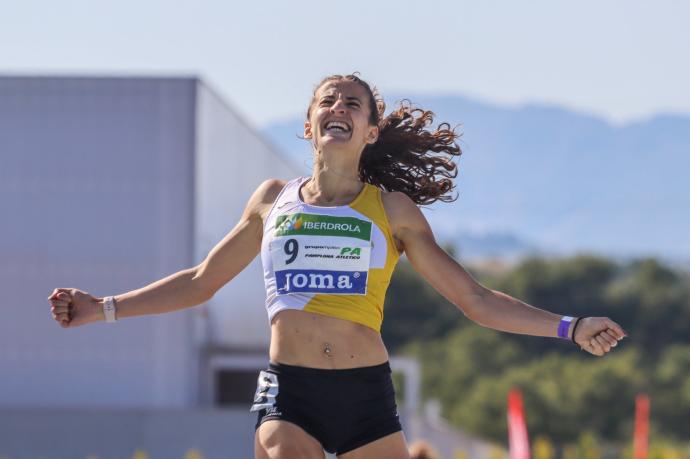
x=408, y=156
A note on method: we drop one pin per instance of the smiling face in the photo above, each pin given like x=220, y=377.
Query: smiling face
x=340, y=117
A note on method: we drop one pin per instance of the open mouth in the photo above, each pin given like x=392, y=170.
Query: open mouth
x=337, y=126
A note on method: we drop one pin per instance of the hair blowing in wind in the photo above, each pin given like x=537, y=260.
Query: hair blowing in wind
x=409, y=156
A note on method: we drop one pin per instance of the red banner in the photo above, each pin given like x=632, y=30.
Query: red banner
x=517, y=428
x=641, y=443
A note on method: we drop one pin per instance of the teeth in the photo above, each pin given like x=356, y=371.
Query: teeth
x=337, y=125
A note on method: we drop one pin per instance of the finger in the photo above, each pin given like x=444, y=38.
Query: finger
x=591, y=349
x=603, y=335
x=60, y=309
x=605, y=346
x=61, y=315
x=596, y=347
x=610, y=337
x=617, y=329
x=64, y=296
x=59, y=290
x=59, y=303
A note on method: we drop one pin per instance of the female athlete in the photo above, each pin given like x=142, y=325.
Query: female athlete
x=329, y=244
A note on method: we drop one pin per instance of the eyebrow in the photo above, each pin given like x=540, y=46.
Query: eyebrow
x=348, y=98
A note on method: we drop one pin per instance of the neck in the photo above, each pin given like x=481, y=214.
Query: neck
x=330, y=184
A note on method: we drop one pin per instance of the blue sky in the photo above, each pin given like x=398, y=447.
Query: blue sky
x=621, y=60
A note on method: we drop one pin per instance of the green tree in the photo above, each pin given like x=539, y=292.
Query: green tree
x=470, y=369
x=451, y=366
x=670, y=394
x=414, y=311
x=573, y=286
x=654, y=304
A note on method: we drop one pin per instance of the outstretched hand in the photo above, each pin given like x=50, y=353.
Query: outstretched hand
x=598, y=335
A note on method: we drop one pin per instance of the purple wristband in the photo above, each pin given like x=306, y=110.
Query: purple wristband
x=564, y=326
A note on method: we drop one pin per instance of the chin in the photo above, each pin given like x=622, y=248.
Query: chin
x=334, y=142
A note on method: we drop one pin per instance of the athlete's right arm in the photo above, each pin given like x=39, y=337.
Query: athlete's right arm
x=186, y=288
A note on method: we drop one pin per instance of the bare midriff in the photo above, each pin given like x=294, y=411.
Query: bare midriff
x=318, y=341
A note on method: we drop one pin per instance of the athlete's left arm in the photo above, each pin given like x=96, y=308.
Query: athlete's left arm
x=486, y=307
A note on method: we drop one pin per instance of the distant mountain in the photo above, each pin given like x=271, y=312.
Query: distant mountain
x=549, y=178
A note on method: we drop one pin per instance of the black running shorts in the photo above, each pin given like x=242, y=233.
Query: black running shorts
x=342, y=409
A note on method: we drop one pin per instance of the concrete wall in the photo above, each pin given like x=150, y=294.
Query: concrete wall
x=102, y=189
x=232, y=160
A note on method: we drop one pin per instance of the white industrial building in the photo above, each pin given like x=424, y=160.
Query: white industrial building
x=106, y=185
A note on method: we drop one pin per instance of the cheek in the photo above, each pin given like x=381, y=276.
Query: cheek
x=317, y=115
x=363, y=125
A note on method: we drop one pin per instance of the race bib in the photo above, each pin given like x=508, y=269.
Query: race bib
x=321, y=254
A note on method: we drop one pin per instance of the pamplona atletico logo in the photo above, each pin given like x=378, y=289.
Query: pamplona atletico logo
x=350, y=252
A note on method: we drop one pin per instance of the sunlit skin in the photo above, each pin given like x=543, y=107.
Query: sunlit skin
x=318, y=341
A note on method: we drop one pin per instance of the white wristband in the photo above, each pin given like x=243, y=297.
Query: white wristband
x=109, y=309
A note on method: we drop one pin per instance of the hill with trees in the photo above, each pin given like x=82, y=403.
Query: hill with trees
x=568, y=394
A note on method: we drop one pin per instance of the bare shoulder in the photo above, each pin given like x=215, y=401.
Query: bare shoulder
x=263, y=197
x=270, y=189
x=405, y=218
x=401, y=210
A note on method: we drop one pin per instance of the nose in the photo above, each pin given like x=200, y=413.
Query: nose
x=338, y=106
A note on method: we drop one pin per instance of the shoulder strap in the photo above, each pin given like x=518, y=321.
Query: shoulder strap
x=291, y=191
x=288, y=195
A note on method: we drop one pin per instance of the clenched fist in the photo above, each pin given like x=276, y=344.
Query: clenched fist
x=598, y=335
x=72, y=307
